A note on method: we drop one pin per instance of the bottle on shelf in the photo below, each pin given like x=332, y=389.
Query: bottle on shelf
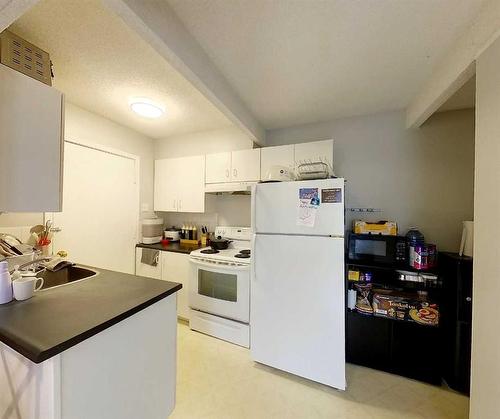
x=414, y=238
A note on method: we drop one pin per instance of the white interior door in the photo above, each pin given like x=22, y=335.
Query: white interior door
x=297, y=306
x=100, y=213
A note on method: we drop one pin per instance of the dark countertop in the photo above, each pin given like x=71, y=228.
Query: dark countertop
x=56, y=319
x=171, y=247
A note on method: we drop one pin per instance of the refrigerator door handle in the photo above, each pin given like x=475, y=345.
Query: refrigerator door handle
x=252, y=263
x=253, y=198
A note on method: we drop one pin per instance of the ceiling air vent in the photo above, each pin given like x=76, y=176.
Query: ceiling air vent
x=24, y=57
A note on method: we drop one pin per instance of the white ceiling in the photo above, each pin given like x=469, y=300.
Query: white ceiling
x=297, y=61
x=99, y=63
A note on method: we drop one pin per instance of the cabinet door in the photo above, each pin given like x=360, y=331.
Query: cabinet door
x=245, y=165
x=218, y=168
x=31, y=144
x=176, y=268
x=166, y=185
x=142, y=269
x=315, y=151
x=190, y=183
x=282, y=155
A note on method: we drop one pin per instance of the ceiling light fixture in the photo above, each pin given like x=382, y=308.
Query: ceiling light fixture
x=146, y=108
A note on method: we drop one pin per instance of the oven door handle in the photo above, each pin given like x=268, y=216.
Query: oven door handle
x=218, y=265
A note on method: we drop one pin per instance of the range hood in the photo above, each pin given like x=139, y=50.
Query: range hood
x=236, y=188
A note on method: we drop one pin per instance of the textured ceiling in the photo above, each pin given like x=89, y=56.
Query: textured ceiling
x=99, y=63
x=294, y=62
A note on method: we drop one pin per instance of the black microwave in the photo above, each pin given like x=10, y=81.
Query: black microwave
x=377, y=248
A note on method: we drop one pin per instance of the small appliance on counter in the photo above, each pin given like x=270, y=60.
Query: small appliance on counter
x=172, y=234
x=152, y=229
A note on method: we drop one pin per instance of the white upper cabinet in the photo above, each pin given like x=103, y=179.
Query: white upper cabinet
x=31, y=144
x=165, y=190
x=245, y=165
x=191, y=184
x=282, y=155
x=180, y=184
x=315, y=151
x=235, y=166
x=218, y=168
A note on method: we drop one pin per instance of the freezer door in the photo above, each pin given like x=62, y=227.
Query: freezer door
x=275, y=208
x=297, y=306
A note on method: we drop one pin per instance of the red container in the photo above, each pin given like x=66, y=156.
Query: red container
x=421, y=257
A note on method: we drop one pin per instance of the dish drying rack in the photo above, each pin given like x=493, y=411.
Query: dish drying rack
x=309, y=170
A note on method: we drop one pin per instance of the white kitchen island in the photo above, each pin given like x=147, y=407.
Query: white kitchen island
x=124, y=367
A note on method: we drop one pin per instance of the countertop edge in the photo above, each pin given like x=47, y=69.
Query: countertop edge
x=39, y=357
x=174, y=247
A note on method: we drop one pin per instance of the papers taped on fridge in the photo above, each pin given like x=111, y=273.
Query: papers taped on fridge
x=307, y=206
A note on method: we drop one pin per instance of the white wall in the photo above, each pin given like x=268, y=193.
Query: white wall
x=204, y=142
x=88, y=128
x=421, y=177
x=485, y=391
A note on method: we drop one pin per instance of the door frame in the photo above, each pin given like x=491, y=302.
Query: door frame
x=114, y=152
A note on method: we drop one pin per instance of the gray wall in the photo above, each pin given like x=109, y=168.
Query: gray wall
x=420, y=177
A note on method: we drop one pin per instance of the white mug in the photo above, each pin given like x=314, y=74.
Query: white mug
x=25, y=287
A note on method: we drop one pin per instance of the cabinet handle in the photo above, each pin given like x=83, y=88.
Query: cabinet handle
x=227, y=173
x=468, y=299
x=180, y=204
x=173, y=204
x=235, y=173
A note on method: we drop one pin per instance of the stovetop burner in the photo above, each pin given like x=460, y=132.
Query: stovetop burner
x=245, y=251
x=242, y=255
x=209, y=251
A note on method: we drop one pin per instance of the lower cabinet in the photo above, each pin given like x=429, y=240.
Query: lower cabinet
x=398, y=347
x=143, y=269
x=172, y=267
x=175, y=268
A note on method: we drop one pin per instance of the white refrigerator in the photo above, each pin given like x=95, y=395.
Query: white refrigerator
x=297, y=302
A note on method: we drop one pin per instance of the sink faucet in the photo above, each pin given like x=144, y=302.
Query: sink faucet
x=32, y=262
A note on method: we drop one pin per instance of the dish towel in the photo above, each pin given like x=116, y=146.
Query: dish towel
x=150, y=257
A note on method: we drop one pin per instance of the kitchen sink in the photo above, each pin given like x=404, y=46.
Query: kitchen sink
x=65, y=276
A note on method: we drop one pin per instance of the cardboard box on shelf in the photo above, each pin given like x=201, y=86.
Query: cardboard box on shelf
x=384, y=228
x=404, y=306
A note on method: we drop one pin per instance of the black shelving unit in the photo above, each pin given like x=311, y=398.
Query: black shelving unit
x=457, y=319
x=400, y=347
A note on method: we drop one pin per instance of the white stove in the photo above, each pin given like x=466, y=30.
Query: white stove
x=219, y=289
x=238, y=251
